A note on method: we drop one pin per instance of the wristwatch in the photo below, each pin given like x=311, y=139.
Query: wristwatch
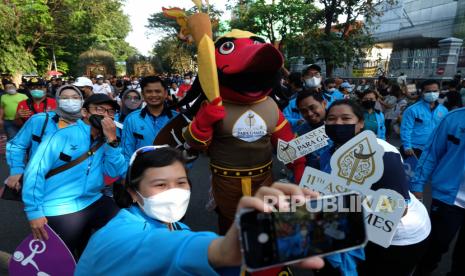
x=114, y=143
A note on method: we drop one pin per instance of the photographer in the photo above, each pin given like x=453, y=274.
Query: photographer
x=159, y=193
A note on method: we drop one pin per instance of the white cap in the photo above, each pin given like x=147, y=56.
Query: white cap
x=99, y=77
x=83, y=81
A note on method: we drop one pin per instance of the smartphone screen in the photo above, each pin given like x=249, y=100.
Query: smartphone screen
x=322, y=226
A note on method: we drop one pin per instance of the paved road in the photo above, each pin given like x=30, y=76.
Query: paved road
x=14, y=227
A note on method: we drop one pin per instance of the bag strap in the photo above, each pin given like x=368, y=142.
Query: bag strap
x=75, y=162
x=44, y=126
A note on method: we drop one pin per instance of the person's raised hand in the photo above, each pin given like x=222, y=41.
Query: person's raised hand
x=109, y=129
x=226, y=251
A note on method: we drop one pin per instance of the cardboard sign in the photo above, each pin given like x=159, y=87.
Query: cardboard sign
x=302, y=145
x=359, y=162
x=42, y=258
x=357, y=165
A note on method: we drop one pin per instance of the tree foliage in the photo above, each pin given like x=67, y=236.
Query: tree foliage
x=282, y=21
x=312, y=28
x=172, y=54
x=34, y=29
x=339, y=43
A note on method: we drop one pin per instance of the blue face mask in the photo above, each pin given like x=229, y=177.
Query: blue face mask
x=37, y=93
x=431, y=96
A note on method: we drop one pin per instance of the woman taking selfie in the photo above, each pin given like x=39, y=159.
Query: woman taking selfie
x=345, y=120
x=148, y=239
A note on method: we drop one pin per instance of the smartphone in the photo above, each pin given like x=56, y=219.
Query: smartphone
x=322, y=226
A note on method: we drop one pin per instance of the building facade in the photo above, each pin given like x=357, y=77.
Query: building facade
x=424, y=37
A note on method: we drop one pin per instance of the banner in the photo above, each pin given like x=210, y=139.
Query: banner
x=365, y=72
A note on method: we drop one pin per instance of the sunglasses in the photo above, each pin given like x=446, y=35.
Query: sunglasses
x=139, y=152
x=144, y=150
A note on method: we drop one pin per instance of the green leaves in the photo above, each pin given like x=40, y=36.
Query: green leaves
x=32, y=28
x=283, y=20
x=312, y=28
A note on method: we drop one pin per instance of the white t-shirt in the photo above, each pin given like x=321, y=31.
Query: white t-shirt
x=174, y=92
x=102, y=89
x=415, y=226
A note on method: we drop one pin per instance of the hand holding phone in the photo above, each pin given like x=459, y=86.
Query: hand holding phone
x=226, y=251
x=322, y=226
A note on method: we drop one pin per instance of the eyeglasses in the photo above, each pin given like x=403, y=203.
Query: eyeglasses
x=144, y=150
x=132, y=98
x=102, y=110
x=76, y=97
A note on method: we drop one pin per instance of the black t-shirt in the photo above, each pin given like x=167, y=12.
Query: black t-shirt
x=394, y=177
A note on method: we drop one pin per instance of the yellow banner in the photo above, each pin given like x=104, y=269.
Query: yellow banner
x=365, y=72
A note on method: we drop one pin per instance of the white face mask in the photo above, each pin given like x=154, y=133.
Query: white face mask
x=331, y=90
x=187, y=81
x=313, y=82
x=168, y=206
x=11, y=91
x=70, y=105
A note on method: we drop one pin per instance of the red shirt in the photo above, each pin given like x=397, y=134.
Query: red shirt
x=183, y=88
x=38, y=108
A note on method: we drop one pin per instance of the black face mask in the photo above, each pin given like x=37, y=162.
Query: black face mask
x=368, y=104
x=96, y=121
x=340, y=134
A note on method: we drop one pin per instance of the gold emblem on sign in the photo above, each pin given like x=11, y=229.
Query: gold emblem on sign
x=357, y=163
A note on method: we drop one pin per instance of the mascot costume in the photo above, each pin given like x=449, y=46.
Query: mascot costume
x=241, y=134
x=229, y=114
x=232, y=119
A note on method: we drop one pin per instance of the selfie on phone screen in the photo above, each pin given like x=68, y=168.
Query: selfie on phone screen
x=321, y=226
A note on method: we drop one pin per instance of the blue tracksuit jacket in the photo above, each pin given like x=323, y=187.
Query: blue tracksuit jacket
x=76, y=188
x=418, y=122
x=134, y=244
x=381, y=132
x=141, y=128
x=443, y=159
x=332, y=97
x=292, y=114
x=28, y=139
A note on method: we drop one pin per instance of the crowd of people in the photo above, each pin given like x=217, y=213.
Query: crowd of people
x=70, y=143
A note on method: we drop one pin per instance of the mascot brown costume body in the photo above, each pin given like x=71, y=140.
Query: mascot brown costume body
x=240, y=129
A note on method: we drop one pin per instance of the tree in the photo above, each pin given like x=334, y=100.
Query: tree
x=35, y=29
x=340, y=43
x=282, y=22
x=173, y=54
x=314, y=32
